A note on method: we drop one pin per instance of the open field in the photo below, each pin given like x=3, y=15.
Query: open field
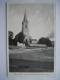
x=36, y=59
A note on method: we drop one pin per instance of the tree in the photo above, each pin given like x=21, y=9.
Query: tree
x=10, y=37
x=45, y=41
x=10, y=34
x=19, y=37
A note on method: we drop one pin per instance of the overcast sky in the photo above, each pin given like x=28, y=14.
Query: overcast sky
x=40, y=19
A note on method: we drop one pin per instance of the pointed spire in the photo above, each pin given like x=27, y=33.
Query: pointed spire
x=25, y=13
x=25, y=16
x=24, y=22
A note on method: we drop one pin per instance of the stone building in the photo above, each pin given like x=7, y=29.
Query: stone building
x=25, y=29
x=23, y=36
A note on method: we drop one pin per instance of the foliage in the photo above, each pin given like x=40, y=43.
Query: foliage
x=45, y=41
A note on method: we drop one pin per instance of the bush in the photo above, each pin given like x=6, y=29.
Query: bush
x=45, y=41
x=10, y=37
x=19, y=37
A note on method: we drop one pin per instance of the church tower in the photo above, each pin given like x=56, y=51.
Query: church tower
x=23, y=36
x=25, y=29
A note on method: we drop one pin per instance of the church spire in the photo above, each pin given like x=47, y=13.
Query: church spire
x=25, y=16
x=25, y=29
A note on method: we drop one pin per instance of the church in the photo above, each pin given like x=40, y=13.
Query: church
x=23, y=36
x=25, y=29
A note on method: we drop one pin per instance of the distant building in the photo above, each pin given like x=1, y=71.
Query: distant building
x=34, y=41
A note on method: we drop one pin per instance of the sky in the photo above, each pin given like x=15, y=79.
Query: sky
x=40, y=19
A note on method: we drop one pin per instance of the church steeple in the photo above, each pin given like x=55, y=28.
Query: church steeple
x=24, y=36
x=25, y=30
x=25, y=17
